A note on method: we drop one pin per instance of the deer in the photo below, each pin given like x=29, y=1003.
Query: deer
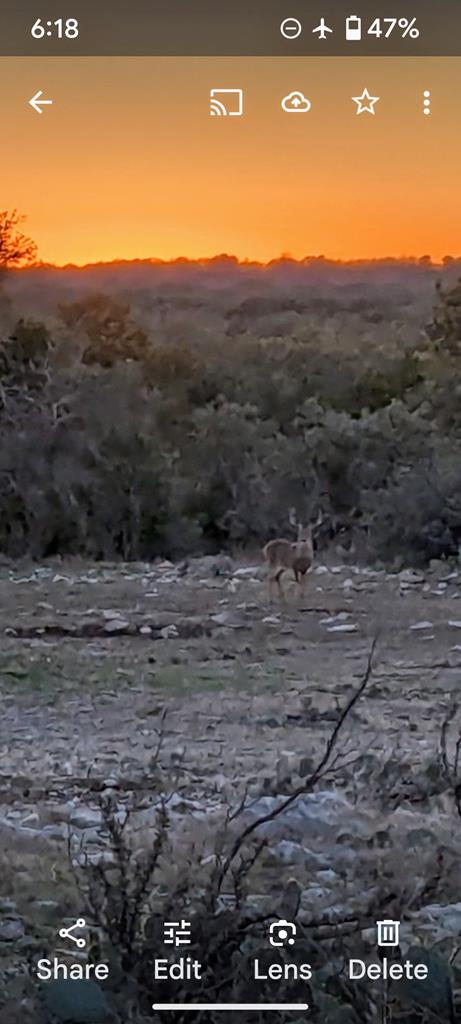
x=281, y=555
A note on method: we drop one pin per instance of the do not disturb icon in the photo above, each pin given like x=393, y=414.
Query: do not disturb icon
x=67, y=933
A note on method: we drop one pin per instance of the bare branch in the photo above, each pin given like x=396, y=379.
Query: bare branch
x=309, y=783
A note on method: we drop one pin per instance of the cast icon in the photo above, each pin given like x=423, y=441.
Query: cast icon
x=226, y=102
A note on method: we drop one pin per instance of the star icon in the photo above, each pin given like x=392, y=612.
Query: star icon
x=365, y=103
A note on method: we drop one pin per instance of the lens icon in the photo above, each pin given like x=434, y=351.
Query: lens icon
x=282, y=933
x=291, y=28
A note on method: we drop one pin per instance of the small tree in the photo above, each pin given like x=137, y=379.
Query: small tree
x=445, y=328
x=112, y=336
x=16, y=248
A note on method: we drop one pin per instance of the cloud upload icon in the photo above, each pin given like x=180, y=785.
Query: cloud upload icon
x=296, y=103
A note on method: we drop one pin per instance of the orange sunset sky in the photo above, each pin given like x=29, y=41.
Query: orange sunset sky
x=129, y=164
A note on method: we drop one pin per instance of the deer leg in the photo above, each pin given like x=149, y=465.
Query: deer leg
x=299, y=576
x=278, y=580
x=305, y=575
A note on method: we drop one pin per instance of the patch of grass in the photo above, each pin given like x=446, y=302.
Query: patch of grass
x=64, y=671
x=44, y=876
x=178, y=680
x=82, y=667
x=35, y=674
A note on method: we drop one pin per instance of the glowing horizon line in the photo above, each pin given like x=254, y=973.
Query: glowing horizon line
x=159, y=261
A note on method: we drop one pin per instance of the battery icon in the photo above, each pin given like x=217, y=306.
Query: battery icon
x=353, y=27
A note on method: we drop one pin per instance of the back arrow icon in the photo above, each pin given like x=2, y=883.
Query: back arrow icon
x=37, y=103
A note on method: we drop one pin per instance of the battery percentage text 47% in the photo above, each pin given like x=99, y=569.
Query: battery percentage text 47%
x=385, y=27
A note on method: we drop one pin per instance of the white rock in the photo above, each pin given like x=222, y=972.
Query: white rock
x=222, y=618
x=11, y=930
x=345, y=627
x=116, y=626
x=84, y=817
x=326, y=875
x=96, y=858
x=340, y=617
x=293, y=853
x=410, y=576
x=448, y=916
x=169, y=631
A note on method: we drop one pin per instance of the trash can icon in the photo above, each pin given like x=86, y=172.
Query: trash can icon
x=353, y=27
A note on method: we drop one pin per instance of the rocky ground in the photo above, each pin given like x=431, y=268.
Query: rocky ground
x=137, y=680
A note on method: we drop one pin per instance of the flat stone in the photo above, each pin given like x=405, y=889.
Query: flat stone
x=11, y=931
x=345, y=627
x=116, y=626
x=410, y=576
x=168, y=632
x=84, y=817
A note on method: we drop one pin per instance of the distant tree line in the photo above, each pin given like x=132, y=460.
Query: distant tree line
x=129, y=434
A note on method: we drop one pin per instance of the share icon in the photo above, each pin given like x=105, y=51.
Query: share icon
x=66, y=933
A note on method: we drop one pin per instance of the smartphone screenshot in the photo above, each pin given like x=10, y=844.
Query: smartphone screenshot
x=230, y=512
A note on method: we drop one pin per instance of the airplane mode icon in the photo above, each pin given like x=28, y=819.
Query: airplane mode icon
x=322, y=29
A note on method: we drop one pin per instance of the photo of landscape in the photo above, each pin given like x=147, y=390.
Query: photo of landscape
x=230, y=535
